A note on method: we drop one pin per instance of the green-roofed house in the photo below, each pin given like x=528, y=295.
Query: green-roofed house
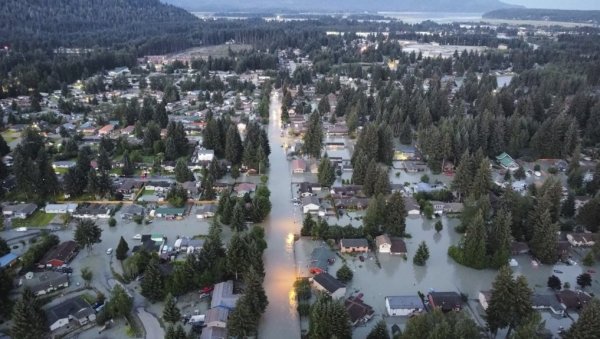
x=507, y=162
x=169, y=212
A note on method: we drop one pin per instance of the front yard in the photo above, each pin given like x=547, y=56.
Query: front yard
x=37, y=219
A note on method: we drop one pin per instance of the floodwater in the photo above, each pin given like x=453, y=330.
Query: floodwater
x=281, y=317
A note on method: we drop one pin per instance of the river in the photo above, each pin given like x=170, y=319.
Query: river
x=281, y=318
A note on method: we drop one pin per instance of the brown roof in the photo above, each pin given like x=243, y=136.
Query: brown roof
x=573, y=299
x=398, y=246
x=357, y=309
x=63, y=251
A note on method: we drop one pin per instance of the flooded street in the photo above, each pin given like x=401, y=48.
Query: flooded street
x=281, y=318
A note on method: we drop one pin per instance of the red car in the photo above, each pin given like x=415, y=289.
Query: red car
x=207, y=289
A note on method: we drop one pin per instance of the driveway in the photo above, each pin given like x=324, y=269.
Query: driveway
x=151, y=325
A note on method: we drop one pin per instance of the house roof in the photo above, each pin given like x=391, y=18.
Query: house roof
x=214, y=333
x=573, y=299
x=310, y=200
x=7, y=259
x=505, y=160
x=20, y=208
x=411, y=204
x=357, y=309
x=62, y=252
x=298, y=164
x=328, y=282
x=223, y=295
x=546, y=300
x=48, y=279
x=362, y=242
x=320, y=257
x=446, y=300
x=75, y=306
x=408, y=302
x=170, y=210
x=382, y=239
x=133, y=209
x=216, y=314
x=398, y=246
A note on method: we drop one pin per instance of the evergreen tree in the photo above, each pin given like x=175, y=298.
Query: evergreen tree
x=521, y=303
x=328, y=319
x=87, y=233
x=588, y=324
x=313, y=138
x=243, y=320
x=28, y=318
x=237, y=252
x=233, y=145
x=568, y=206
x=380, y=331
x=171, y=313
x=360, y=168
x=238, y=217
x=207, y=189
x=104, y=162
x=554, y=282
x=482, y=181
x=128, y=168
x=500, y=238
x=255, y=293
x=153, y=283
x=307, y=225
x=584, y=280
x=500, y=306
x=326, y=174
x=439, y=226
x=474, y=244
x=543, y=242
x=395, y=216
x=182, y=172
x=227, y=204
x=344, y=274
x=375, y=215
x=122, y=249
x=463, y=176
x=422, y=254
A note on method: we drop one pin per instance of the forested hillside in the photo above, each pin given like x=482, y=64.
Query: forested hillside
x=146, y=24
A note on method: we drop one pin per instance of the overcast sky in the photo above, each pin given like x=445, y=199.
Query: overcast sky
x=560, y=4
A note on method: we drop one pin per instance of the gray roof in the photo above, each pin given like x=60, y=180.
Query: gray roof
x=216, y=314
x=320, y=257
x=75, y=306
x=408, y=302
x=49, y=279
x=362, y=242
x=223, y=295
x=20, y=208
x=310, y=200
x=328, y=282
x=546, y=300
x=214, y=333
x=133, y=209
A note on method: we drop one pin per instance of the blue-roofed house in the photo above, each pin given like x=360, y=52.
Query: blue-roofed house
x=8, y=260
x=423, y=187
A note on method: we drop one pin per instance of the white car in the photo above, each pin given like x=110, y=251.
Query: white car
x=137, y=237
x=109, y=251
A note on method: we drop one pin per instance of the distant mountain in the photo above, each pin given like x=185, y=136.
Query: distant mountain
x=473, y=6
x=545, y=15
x=90, y=23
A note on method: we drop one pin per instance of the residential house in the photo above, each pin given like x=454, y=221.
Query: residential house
x=507, y=162
x=60, y=208
x=127, y=131
x=128, y=187
x=93, y=211
x=582, y=239
x=354, y=245
x=305, y=189
x=411, y=206
x=446, y=301
x=403, y=305
x=320, y=259
x=573, y=300
x=205, y=155
x=414, y=166
x=298, y=166
x=87, y=128
x=398, y=246
x=73, y=311
x=350, y=203
x=383, y=243
x=214, y=333
x=206, y=211
x=132, y=211
x=244, y=188
x=216, y=317
x=48, y=282
x=347, y=190
x=106, y=130
x=310, y=205
x=405, y=152
x=191, y=188
x=158, y=186
x=64, y=164
x=358, y=311
x=223, y=296
x=441, y=207
x=18, y=211
x=169, y=212
x=8, y=260
x=60, y=254
x=326, y=283
x=337, y=130
x=547, y=302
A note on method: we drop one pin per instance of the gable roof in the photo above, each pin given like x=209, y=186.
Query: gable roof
x=408, y=302
x=382, y=239
x=75, y=306
x=7, y=259
x=446, y=300
x=320, y=257
x=328, y=282
x=216, y=314
x=223, y=295
x=357, y=309
x=362, y=242
x=63, y=252
x=398, y=246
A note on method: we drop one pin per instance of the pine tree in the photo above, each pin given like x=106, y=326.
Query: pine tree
x=326, y=174
x=422, y=254
x=171, y=313
x=255, y=292
x=328, y=319
x=395, y=216
x=344, y=274
x=588, y=324
x=543, y=242
x=128, y=167
x=153, y=284
x=243, y=320
x=313, y=138
x=463, y=176
x=380, y=331
x=500, y=239
x=499, y=311
x=521, y=303
x=236, y=255
x=28, y=319
x=182, y=172
x=122, y=249
x=233, y=145
x=238, y=217
x=474, y=243
x=370, y=178
x=87, y=233
x=360, y=168
x=482, y=181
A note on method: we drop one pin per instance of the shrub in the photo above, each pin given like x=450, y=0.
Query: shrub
x=112, y=222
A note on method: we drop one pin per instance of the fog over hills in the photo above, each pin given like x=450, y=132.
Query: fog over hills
x=479, y=6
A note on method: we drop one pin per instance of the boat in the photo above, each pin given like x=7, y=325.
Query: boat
x=558, y=271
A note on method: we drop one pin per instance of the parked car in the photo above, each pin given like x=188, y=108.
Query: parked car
x=137, y=237
x=109, y=251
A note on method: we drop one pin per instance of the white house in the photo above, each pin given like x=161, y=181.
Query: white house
x=581, y=239
x=205, y=155
x=326, y=283
x=60, y=208
x=74, y=310
x=384, y=244
x=403, y=305
x=412, y=207
x=19, y=211
x=310, y=205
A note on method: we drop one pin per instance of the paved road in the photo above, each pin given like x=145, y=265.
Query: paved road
x=281, y=318
x=151, y=324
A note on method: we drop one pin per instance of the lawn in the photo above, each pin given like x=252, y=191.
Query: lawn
x=10, y=136
x=37, y=219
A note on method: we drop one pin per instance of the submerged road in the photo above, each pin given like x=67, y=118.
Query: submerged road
x=281, y=318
